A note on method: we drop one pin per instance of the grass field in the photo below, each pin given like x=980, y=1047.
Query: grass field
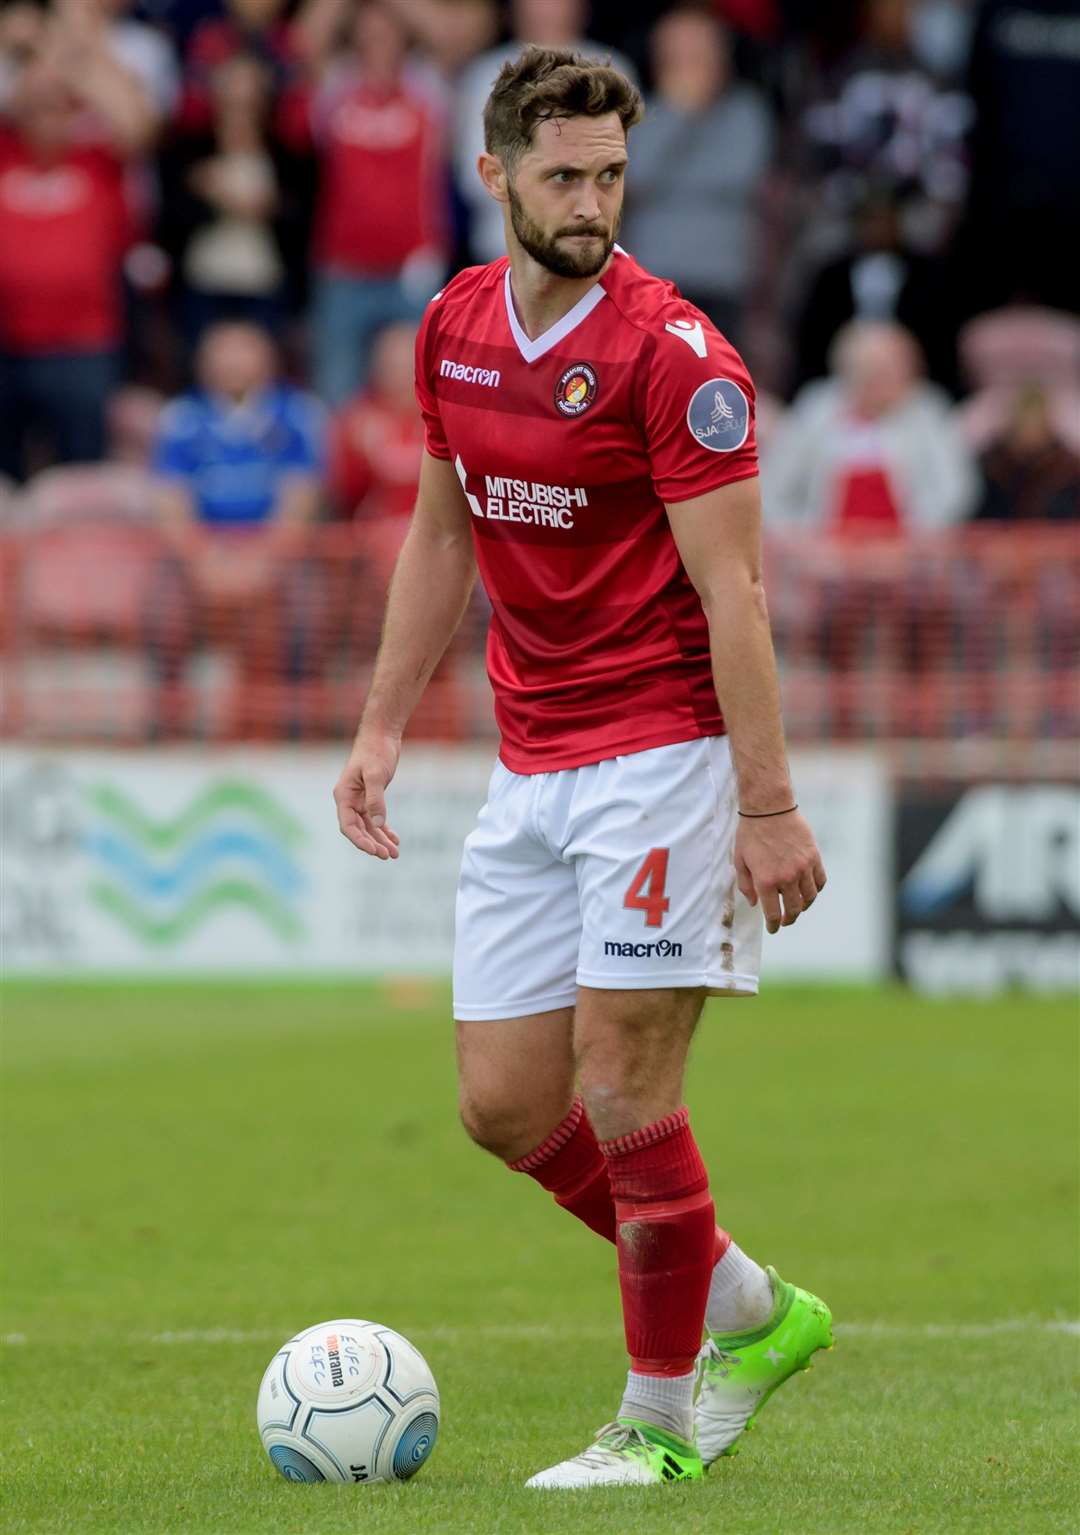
x=194, y=1172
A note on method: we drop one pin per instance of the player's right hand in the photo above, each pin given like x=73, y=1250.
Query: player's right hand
x=360, y=795
x=777, y=859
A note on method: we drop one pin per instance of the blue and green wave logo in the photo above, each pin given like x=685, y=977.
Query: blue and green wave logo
x=233, y=846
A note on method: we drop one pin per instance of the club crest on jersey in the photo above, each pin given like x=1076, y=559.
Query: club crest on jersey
x=576, y=389
x=719, y=415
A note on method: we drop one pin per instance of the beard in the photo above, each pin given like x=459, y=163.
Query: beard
x=563, y=261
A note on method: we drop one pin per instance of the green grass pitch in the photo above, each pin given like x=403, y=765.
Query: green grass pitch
x=196, y=1171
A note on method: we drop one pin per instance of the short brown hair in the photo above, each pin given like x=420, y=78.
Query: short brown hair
x=545, y=83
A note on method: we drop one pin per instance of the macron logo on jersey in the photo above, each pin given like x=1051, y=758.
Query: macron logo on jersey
x=491, y=377
x=691, y=332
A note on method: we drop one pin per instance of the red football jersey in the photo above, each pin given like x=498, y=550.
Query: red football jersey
x=567, y=447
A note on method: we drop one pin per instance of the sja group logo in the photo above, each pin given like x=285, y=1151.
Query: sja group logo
x=989, y=892
x=719, y=415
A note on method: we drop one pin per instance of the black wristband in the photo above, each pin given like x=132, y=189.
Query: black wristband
x=763, y=815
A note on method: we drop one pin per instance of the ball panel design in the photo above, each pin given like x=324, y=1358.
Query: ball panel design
x=350, y=1433
x=278, y=1404
x=408, y=1373
x=415, y=1445
x=294, y=1466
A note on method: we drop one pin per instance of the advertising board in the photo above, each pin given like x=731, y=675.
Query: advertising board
x=181, y=861
x=988, y=892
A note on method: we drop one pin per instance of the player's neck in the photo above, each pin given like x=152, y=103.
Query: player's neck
x=541, y=298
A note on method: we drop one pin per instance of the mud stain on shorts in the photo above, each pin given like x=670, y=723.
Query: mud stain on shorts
x=727, y=910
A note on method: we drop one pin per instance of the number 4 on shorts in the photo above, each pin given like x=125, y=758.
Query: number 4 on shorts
x=646, y=889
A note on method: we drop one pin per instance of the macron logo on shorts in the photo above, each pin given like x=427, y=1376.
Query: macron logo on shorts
x=491, y=377
x=663, y=948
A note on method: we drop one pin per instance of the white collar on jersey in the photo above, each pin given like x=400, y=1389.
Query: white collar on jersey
x=531, y=350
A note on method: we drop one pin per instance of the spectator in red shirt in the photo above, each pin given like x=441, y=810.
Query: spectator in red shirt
x=381, y=215
x=377, y=439
x=375, y=447
x=257, y=28
x=64, y=229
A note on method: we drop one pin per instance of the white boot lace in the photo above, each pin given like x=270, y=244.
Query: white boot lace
x=612, y=1440
x=719, y=1361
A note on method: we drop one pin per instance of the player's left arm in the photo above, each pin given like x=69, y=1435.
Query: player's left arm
x=718, y=535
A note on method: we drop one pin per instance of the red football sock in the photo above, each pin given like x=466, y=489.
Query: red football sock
x=666, y=1237
x=570, y=1165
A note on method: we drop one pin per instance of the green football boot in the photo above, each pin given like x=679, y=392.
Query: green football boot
x=626, y=1453
x=739, y=1371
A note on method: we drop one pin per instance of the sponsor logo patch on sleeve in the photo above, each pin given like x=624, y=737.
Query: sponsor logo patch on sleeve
x=719, y=415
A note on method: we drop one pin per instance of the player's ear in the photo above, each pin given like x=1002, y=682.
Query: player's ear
x=493, y=175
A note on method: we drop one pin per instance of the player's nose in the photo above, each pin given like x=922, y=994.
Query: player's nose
x=587, y=209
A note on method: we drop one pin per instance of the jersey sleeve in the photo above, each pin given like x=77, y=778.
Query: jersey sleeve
x=699, y=410
x=434, y=436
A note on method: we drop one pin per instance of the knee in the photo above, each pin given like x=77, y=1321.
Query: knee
x=506, y=1128
x=630, y=1071
x=620, y=1097
x=491, y=1123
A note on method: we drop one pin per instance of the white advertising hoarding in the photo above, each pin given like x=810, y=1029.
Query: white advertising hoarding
x=174, y=861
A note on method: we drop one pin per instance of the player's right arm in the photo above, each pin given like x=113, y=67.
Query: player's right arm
x=428, y=595
x=699, y=428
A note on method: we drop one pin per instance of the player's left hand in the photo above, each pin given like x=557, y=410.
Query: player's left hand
x=777, y=860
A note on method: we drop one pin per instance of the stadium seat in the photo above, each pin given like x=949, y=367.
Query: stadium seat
x=86, y=580
x=115, y=492
x=79, y=594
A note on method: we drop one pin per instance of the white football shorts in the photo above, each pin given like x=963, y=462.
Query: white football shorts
x=617, y=875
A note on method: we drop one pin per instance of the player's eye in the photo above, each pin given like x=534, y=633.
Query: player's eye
x=563, y=176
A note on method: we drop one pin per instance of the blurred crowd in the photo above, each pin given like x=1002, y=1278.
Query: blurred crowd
x=220, y=221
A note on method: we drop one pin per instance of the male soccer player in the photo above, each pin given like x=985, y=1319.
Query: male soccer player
x=590, y=446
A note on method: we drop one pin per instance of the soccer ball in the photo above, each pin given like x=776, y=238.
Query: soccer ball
x=348, y=1401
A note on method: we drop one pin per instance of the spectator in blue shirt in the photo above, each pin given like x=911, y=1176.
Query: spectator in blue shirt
x=239, y=465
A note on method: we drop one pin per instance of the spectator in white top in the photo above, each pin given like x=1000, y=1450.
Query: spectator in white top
x=872, y=448
x=869, y=458
x=696, y=163
x=550, y=24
